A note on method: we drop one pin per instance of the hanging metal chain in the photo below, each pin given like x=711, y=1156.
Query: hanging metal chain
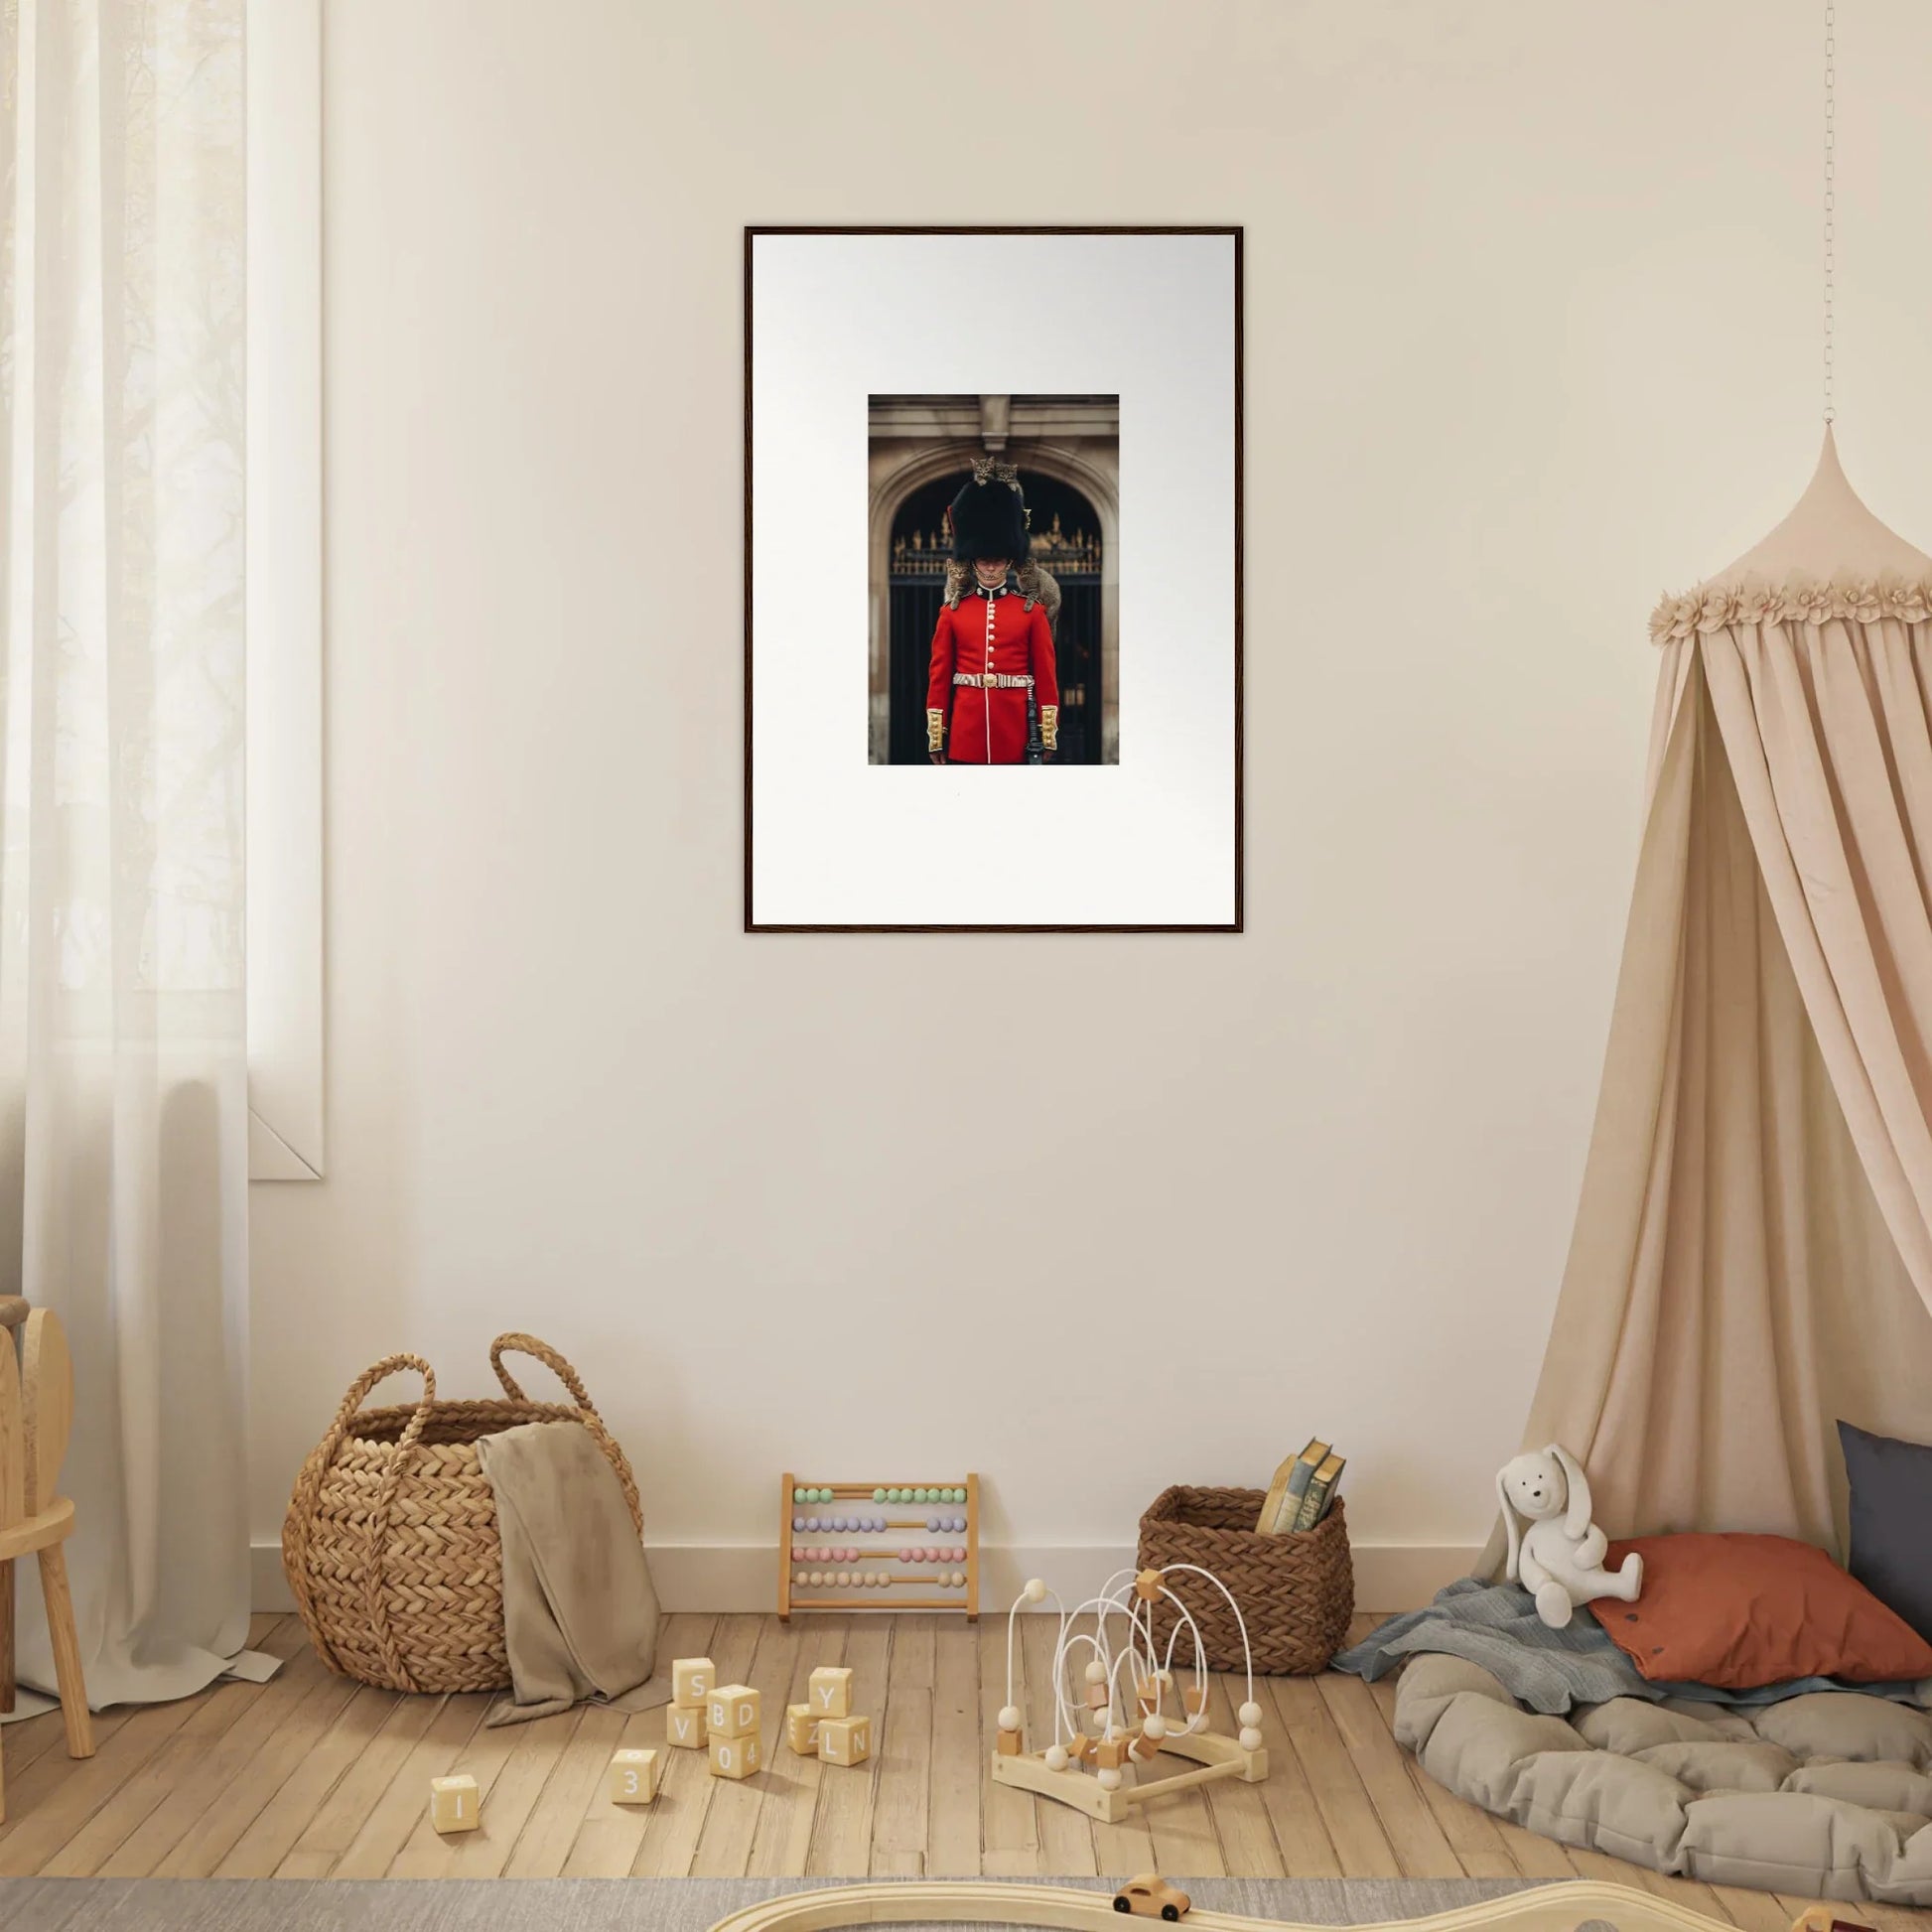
x=1830, y=188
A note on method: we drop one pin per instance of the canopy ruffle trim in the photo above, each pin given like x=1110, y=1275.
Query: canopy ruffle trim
x=1859, y=601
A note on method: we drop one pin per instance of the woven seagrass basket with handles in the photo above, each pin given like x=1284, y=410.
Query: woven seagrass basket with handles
x=1297, y=1591
x=391, y=1545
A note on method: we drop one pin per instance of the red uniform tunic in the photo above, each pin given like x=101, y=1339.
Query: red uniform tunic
x=990, y=634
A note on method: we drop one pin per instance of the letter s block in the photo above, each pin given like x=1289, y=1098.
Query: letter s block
x=732, y=1711
x=633, y=1777
x=735, y=1757
x=845, y=1740
x=455, y=1804
x=830, y=1688
x=693, y=1679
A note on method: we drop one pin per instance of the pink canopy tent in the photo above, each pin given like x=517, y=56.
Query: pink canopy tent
x=1752, y=1254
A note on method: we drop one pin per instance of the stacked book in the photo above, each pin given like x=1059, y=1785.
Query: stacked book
x=1304, y=1490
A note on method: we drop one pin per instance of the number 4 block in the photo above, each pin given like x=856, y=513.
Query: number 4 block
x=735, y=1757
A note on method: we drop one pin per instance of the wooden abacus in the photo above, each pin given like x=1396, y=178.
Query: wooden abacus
x=921, y=1537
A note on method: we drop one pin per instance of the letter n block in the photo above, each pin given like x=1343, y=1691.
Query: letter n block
x=633, y=1777
x=684, y=1729
x=732, y=1711
x=693, y=1679
x=801, y=1729
x=735, y=1757
x=845, y=1740
x=830, y=1688
x=455, y=1804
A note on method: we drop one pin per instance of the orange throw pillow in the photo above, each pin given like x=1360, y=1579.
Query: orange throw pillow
x=1744, y=1611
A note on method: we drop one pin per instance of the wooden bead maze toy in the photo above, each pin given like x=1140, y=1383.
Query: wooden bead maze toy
x=1088, y=1771
x=879, y=1546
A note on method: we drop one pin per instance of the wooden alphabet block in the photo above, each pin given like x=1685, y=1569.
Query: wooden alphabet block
x=1098, y=1697
x=1008, y=1743
x=684, y=1729
x=830, y=1688
x=1162, y=1682
x=735, y=1757
x=633, y=1777
x=732, y=1711
x=845, y=1740
x=1110, y=1753
x=1079, y=1748
x=1141, y=1748
x=693, y=1679
x=455, y=1804
x=801, y=1729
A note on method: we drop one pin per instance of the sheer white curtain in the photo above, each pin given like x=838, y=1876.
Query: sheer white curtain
x=123, y=1153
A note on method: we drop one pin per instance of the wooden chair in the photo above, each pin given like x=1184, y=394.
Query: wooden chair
x=36, y=1418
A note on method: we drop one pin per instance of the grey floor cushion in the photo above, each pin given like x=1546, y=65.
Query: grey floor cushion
x=1828, y=1795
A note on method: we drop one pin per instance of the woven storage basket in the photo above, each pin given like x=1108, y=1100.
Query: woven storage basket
x=1297, y=1591
x=391, y=1545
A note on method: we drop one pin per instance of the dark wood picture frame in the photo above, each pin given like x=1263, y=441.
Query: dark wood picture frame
x=1236, y=233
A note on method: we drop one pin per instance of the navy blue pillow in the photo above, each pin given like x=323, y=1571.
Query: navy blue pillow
x=1892, y=1522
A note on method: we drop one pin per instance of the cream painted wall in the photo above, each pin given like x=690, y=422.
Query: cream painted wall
x=1531, y=334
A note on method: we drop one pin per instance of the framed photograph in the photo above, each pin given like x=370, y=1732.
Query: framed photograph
x=993, y=580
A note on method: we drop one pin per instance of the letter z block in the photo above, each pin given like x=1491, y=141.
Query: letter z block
x=735, y=1757
x=684, y=1729
x=732, y=1711
x=693, y=1679
x=845, y=1740
x=455, y=1804
x=801, y=1729
x=633, y=1777
x=830, y=1688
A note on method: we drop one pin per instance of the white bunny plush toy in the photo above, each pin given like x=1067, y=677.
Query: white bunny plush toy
x=1559, y=1558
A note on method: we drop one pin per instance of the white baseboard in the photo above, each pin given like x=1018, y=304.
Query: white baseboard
x=734, y=1577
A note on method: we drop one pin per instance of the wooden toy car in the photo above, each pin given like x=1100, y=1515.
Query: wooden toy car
x=1151, y=1896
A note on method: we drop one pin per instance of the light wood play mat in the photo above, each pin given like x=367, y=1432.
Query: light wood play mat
x=974, y=1901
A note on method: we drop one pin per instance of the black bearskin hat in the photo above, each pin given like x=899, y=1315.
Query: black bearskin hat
x=989, y=517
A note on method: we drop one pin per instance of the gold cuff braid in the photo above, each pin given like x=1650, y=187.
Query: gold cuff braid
x=1049, y=726
x=935, y=731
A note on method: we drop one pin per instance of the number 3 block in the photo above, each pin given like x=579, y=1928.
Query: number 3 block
x=455, y=1804
x=633, y=1777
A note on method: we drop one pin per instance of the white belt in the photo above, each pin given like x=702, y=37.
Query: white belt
x=992, y=681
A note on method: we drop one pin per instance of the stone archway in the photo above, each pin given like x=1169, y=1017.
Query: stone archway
x=892, y=488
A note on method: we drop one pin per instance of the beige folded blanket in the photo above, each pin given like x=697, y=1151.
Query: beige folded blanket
x=580, y=1616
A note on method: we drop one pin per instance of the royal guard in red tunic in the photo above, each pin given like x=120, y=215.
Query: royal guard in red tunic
x=993, y=697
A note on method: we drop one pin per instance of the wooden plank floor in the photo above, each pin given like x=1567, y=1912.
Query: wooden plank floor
x=309, y=1776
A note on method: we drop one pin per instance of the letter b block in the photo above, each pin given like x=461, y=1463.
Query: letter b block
x=633, y=1777
x=831, y=1690
x=845, y=1740
x=732, y=1711
x=693, y=1679
x=801, y=1729
x=455, y=1804
x=735, y=1757
x=684, y=1729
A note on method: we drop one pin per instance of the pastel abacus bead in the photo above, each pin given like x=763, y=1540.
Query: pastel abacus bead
x=811, y=1522
x=905, y=1555
x=879, y=1495
x=798, y=1495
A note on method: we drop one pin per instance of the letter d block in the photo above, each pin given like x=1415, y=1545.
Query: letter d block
x=633, y=1777
x=732, y=1711
x=684, y=1729
x=830, y=1688
x=735, y=1757
x=693, y=1679
x=801, y=1729
x=455, y=1804
x=845, y=1740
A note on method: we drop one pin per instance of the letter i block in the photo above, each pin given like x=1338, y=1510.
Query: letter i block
x=633, y=1777
x=455, y=1804
x=830, y=1687
x=845, y=1740
x=684, y=1729
x=801, y=1729
x=732, y=1712
x=735, y=1757
x=693, y=1679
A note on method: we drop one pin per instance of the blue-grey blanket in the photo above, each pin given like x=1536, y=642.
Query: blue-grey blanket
x=1496, y=1625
